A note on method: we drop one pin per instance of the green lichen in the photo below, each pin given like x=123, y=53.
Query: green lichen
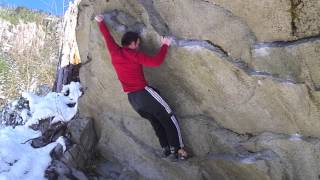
x=20, y=14
x=4, y=67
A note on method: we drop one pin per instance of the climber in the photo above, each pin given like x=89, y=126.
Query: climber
x=128, y=63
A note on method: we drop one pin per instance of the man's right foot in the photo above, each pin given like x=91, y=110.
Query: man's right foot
x=175, y=155
x=166, y=151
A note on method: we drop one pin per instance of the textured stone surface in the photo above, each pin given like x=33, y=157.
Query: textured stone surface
x=84, y=140
x=206, y=21
x=269, y=19
x=224, y=92
x=273, y=20
x=299, y=154
x=73, y=162
x=113, y=170
x=297, y=61
x=306, y=17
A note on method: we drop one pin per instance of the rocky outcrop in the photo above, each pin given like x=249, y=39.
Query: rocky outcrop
x=72, y=162
x=240, y=80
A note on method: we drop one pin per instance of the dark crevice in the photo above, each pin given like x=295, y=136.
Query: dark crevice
x=276, y=44
x=218, y=47
x=294, y=15
x=312, y=97
x=89, y=59
x=206, y=44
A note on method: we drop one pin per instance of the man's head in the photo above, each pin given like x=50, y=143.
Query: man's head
x=131, y=40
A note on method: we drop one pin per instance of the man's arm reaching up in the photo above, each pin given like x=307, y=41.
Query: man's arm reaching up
x=111, y=44
x=156, y=60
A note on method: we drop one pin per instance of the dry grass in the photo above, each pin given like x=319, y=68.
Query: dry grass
x=19, y=70
x=20, y=14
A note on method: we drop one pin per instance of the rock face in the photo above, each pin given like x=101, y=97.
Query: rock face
x=276, y=20
x=241, y=75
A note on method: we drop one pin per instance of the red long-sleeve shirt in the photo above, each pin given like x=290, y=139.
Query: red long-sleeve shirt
x=129, y=63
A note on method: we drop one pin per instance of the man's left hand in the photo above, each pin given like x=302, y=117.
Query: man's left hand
x=99, y=18
x=166, y=40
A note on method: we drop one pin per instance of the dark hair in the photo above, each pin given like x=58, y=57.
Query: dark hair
x=129, y=37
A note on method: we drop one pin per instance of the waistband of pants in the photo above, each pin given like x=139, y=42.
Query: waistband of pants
x=138, y=91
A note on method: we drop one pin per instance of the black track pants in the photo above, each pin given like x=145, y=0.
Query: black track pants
x=150, y=105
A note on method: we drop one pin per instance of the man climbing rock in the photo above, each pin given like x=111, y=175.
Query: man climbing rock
x=128, y=63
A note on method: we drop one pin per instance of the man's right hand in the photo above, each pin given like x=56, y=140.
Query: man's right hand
x=166, y=40
x=99, y=18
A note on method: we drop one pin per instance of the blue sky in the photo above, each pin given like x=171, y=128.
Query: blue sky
x=50, y=6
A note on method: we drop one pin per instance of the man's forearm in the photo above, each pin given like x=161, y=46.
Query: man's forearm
x=153, y=61
x=111, y=44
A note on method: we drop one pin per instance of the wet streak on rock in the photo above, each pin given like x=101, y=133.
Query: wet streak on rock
x=245, y=158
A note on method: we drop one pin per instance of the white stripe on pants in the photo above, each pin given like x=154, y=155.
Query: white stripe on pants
x=168, y=109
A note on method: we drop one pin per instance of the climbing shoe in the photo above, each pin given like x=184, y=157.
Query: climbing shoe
x=182, y=155
x=166, y=151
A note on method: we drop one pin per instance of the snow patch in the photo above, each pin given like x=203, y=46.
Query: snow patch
x=61, y=141
x=194, y=48
x=263, y=51
x=62, y=106
x=24, y=115
x=295, y=137
x=248, y=160
x=17, y=157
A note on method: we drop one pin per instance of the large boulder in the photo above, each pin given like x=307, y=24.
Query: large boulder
x=223, y=91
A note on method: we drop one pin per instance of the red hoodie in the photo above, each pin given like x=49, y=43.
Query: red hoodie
x=128, y=63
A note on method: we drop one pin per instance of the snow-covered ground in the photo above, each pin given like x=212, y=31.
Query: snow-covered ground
x=18, y=159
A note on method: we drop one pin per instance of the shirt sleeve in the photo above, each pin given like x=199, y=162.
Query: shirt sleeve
x=152, y=61
x=111, y=44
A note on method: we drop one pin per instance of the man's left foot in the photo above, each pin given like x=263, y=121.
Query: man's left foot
x=182, y=154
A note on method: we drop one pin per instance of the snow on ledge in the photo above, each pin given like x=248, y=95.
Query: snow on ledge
x=62, y=106
x=18, y=159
